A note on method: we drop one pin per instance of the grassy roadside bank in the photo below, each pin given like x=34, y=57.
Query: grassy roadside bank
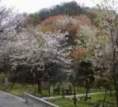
x=95, y=101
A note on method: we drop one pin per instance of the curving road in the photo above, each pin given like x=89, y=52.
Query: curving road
x=8, y=100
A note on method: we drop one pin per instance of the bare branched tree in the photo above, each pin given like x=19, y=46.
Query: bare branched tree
x=110, y=20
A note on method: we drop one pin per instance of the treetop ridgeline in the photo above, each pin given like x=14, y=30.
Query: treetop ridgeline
x=70, y=8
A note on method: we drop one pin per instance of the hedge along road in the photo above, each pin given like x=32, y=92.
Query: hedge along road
x=8, y=100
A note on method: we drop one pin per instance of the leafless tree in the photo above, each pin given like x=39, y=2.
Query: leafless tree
x=110, y=25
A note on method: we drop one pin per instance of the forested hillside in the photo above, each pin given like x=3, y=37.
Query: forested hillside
x=86, y=44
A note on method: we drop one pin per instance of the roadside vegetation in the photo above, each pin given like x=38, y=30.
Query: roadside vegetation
x=94, y=101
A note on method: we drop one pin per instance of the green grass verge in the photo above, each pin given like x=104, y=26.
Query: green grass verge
x=95, y=99
x=19, y=89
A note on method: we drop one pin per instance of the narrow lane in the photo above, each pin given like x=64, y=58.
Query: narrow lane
x=8, y=100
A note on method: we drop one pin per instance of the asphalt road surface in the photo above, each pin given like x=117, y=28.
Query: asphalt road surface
x=8, y=100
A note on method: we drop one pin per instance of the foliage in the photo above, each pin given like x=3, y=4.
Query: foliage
x=54, y=73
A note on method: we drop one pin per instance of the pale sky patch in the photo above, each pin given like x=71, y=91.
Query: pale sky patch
x=31, y=6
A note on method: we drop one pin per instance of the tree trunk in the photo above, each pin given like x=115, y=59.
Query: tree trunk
x=39, y=86
x=87, y=91
x=114, y=76
x=49, y=93
x=75, y=98
x=114, y=32
x=116, y=88
x=105, y=96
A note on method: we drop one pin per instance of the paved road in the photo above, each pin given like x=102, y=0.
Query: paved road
x=8, y=100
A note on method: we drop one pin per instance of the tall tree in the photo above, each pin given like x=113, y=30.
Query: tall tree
x=110, y=25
